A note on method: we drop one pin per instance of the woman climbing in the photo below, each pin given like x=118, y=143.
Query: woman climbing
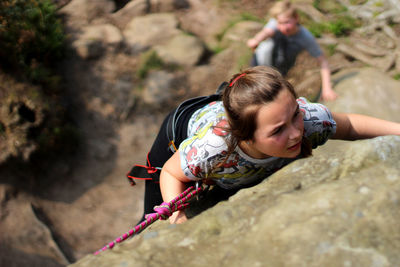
x=258, y=127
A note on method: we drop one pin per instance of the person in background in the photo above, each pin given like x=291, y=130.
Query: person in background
x=282, y=39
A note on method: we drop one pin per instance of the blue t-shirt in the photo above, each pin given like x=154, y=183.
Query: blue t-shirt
x=280, y=51
x=206, y=146
x=302, y=40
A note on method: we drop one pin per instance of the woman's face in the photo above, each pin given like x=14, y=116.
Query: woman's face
x=287, y=25
x=279, y=129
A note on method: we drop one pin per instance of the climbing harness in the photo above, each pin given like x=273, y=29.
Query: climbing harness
x=146, y=170
x=162, y=212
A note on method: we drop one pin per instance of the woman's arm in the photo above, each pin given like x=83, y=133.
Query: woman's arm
x=356, y=126
x=172, y=183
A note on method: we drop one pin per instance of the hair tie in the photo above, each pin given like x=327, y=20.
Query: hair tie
x=237, y=78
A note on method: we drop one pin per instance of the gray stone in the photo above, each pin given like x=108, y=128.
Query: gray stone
x=132, y=9
x=82, y=12
x=383, y=63
x=23, y=232
x=94, y=40
x=143, y=32
x=183, y=50
x=241, y=32
x=158, y=88
x=367, y=91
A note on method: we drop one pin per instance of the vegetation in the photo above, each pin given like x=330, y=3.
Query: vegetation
x=151, y=61
x=340, y=25
x=32, y=43
x=32, y=38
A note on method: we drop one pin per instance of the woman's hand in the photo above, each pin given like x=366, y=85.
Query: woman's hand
x=178, y=217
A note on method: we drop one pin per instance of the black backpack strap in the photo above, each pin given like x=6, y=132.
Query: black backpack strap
x=144, y=172
x=221, y=88
x=184, y=107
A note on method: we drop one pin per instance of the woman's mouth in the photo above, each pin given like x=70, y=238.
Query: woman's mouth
x=295, y=147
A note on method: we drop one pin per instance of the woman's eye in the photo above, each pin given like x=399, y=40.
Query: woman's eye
x=278, y=130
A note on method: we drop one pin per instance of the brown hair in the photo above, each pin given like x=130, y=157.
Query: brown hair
x=245, y=95
x=283, y=8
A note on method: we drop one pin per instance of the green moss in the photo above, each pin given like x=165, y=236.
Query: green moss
x=248, y=16
x=216, y=49
x=340, y=26
x=396, y=76
x=151, y=61
x=358, y=2
x=331, y=49
x=378, y=4
x=317, y=29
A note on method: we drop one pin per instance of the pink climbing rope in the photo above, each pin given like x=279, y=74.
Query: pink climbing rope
x=162, y=212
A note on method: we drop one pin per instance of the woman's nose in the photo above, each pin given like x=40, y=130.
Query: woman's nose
x=295, y=131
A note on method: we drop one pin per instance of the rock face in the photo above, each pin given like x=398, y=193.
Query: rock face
x=316, y=212
x=362, y=91
x=336, y=208
x=333, y=209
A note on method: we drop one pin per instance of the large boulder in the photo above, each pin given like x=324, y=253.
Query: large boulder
x=158, y=88
x=82, y=12
x=182, y=50
x=143, y=32
x=336, y=208
x=94, y=41
x=23, y=232
x=367, y=91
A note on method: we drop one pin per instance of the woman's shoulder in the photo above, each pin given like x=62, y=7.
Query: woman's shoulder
x=319, y=124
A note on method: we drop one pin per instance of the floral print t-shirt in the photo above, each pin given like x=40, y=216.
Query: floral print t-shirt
x=206, y=146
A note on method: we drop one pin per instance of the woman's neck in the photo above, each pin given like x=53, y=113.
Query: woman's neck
x=248, y=148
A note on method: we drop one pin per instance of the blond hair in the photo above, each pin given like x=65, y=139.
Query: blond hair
x=284, y=7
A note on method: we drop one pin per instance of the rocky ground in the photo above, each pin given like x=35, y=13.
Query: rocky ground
x=85, y=201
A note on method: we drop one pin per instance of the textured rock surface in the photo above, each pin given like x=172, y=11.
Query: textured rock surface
x=334, y=209
x=86, y=202
x=337, y=208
